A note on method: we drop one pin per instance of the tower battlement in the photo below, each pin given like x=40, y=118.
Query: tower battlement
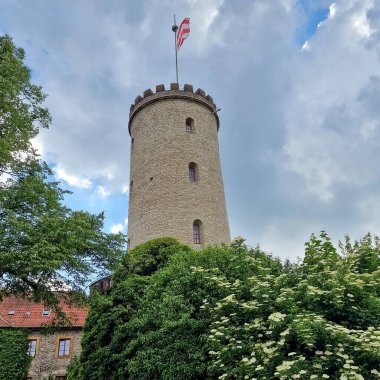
x=174, y=92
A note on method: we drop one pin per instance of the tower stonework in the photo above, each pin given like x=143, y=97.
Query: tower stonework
x=176, y=185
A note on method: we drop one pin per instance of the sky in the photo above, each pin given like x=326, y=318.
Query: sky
x=297, y=81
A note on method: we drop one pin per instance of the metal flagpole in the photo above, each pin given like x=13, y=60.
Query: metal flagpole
x=174, y=29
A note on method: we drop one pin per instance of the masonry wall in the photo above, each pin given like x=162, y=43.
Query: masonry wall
x=46, y=363
x=163, y=201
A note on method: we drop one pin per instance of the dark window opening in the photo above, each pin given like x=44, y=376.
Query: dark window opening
x=197, y=232
x=193, y=172
x=189, y=125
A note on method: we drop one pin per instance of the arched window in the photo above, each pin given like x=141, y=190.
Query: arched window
x=189, y=125
x=193, y=172
x=197, y=231
x=130, y=187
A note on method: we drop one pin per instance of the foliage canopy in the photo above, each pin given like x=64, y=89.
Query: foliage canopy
x=238, y=313
x=43, y=244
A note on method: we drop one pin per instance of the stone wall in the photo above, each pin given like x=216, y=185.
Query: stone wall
x=163, y=201
x=46, y=363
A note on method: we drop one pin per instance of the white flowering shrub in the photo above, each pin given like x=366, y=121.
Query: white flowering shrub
x=317, y=320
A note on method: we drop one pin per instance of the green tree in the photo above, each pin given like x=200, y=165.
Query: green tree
x=107, y=332
x=14, y=359
x=238, y=313
x=43, y=244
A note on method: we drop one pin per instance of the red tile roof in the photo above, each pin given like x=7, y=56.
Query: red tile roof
x=29, y=314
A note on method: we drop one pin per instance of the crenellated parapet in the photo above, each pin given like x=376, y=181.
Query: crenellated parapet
x=175, y=92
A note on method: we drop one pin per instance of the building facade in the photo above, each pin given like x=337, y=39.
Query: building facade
x=176, y=185
x=51, y=352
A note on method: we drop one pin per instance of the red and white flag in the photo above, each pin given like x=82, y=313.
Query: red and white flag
x=183, y=32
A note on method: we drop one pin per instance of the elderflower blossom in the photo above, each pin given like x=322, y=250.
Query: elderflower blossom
x=276, y=317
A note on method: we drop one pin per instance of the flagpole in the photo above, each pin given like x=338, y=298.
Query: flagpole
x=174, y=29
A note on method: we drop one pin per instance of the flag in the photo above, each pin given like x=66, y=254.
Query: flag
x=183, y=32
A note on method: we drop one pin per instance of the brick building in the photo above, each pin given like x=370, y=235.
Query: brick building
x=51, y=352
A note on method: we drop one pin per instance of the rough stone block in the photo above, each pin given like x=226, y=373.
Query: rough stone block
x=160, y=87
x=138, y=99
x=148, y=92
x=188, y=87
x=200, y=92
x=210, y=99
x=174, y=86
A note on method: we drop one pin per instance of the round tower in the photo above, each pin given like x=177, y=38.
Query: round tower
x=176, y=186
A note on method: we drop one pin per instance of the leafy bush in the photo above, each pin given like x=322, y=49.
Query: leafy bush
x=147, y=258
x=14, y=359
x=238, y=313
x=320, y=320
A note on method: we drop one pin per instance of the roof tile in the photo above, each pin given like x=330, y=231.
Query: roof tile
x=29, y=314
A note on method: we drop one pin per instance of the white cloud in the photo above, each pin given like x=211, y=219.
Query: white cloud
x=328, y=114
x=205, y=30
x=332, y=10
x=125, y=189
x=38, y=145
x=306, y=46
x=103, y=192
x=72, y=180
x=126, y=221
x=116, y=228
x=362, y=26
x=369, y=211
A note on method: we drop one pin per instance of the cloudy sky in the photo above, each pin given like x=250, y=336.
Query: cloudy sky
x=297, y=81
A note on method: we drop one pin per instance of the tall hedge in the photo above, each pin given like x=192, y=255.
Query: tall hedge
x=14, y=359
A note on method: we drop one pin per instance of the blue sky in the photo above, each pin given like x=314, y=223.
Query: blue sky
x=314, y=13
x=297, y=82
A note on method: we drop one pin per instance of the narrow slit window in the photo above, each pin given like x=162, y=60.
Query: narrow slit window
x=189, y=125
x=193, y=172
x=197, y=232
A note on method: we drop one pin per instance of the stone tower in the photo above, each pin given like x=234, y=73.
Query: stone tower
x=176, y=185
